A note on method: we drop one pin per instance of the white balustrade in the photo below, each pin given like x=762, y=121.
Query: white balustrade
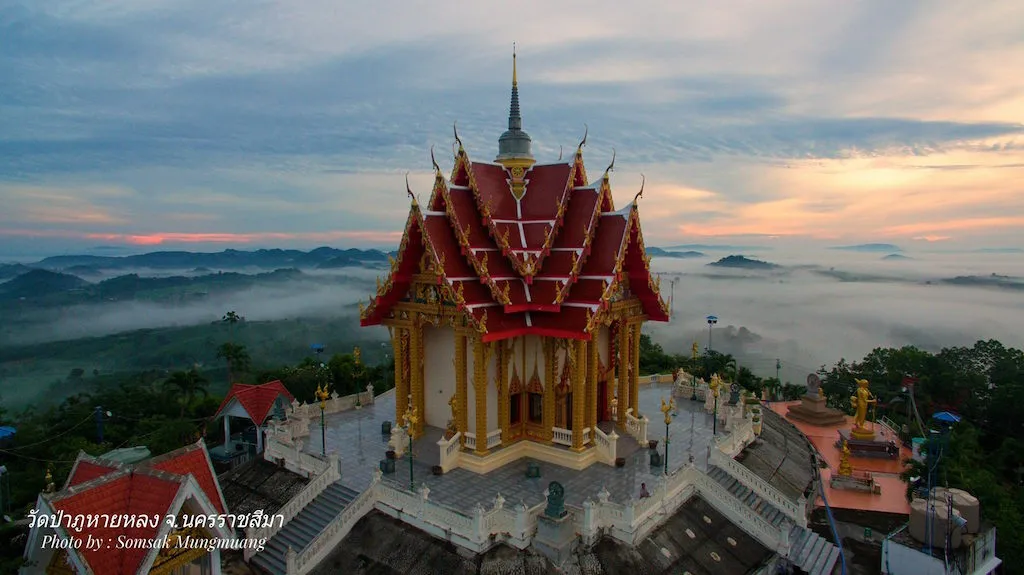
x=470, y=440
x=795, y=511
x=735, y=511
x=329, y=538
x=314, y=488
x=493, y=438
x=637, y=427
x=450, y=452
x=586, y=435
x=562, y=436
x=606, y=445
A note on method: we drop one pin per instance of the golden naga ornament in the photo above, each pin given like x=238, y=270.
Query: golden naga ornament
x=362, y=309
x=575, y=259
x=465, y=233
x=505, y=299
x=483, y=321
x=392, y=261
x=483, y=264
x=503, y=239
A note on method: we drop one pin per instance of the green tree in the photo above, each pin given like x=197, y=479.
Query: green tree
x=231, y=318
x=237, y=358
x=187, y=384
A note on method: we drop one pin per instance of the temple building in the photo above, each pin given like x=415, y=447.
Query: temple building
x=516, y=301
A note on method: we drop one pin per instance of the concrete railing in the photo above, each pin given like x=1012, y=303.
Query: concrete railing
x=739, y=514
x=328, y=475
x=606, y=445
x=637, y=427
x=324, y=543
x=470, y=439
x=450, y=451
x=295, y=459
x=493, y=438
x=796, y=511
x=562, y=436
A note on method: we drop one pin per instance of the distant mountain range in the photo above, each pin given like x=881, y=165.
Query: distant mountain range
x=892, y=257
x=714, y=248
x=742, y=262
x=871, y=248
x=319, y=258
x=662, y=253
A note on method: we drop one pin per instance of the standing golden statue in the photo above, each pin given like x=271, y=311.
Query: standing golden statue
x=860, y=403
x=696, y=350
x=845, y=468
x=452, y=428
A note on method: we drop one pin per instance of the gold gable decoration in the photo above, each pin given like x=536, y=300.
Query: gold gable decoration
x=170, y=558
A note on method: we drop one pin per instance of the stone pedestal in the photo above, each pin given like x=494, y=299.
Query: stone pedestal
x=556, y=538
x=812, y=409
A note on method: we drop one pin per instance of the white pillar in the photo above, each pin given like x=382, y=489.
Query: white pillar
x=215, y=561
x=259, y=439
x=227, y=433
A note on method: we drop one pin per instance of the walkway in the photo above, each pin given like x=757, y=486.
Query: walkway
x=356, y=436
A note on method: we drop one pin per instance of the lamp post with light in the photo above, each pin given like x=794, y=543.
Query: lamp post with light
x=713, y=386
x=322, y=394
x=411, y=419
x=667, y=408
x=693, y=373
x=712, y=320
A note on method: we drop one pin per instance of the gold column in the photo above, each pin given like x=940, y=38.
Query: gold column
x=399, y=347
x=579, y=401
x=461, y=387
x=480, y=390
x=634, y=382
x=623, y=395
x=416, y=373
x=551, y=380
x=592, y=375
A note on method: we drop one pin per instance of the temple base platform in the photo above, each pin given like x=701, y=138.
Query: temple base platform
x=863, y=445
x=814, y=411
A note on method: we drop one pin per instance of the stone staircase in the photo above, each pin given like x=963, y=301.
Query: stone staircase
x=304, y=527
x=807, y=550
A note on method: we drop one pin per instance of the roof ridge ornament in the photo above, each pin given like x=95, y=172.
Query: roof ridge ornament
x=611, y=166
x=583, y=142
x=643, y=180
x=455, y=128
x=408, y=190
x=559, y=153
x=437, y=169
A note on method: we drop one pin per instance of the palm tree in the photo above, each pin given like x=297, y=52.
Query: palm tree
x=188, y=384
x=237, y=357
x=231, y=318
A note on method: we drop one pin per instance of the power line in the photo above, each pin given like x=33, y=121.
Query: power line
x=52, y=437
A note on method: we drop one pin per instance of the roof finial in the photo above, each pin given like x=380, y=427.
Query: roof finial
x=583, y=142
x=513, y=63
x=643, y=181
x=611, y=166
x=437, y=169
x=455, y=128
x=408, y=190
x=559, y=152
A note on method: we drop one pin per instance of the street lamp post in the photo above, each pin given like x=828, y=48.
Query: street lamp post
x=322, y=394
x=712, y=320
x=411, y=419
x=693, y=373
x=667, y=408
x=714, y=385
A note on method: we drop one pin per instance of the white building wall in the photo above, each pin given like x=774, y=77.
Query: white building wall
x=492, y=392
x=439, y=374
x=900, y=560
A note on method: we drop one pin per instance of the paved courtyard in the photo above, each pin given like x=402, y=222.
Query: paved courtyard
x=356, y=436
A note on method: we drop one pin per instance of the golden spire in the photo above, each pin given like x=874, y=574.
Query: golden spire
x=513, y=63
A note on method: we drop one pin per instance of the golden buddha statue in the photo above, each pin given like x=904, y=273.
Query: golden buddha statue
x=844, y=461
x=860, y=403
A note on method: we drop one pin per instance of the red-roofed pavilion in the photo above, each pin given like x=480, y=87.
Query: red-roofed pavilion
x=255, y=403
x=520, y=290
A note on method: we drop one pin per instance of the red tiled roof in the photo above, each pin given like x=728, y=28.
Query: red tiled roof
x=147, y=488
x=256, y=400
x=545, y=263
x=86, y=470
x=126, y=492
x=193, y=460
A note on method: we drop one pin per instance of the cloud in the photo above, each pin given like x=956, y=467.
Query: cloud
x=301, y=117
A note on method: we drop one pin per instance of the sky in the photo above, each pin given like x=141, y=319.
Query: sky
x=187, y=124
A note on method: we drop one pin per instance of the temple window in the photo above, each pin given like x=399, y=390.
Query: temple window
x=516, y=409
x=536, y=408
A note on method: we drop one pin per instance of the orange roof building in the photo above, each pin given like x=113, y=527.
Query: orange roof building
x=519, y=290
x=98, y=497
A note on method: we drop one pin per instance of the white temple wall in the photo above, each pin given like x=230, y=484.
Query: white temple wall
x=438, y=374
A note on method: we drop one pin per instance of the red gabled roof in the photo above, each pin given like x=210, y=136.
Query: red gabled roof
x=191, y=460
x=148, y=488
x=124, y=492
x=87, y=469
x=544, y=263
x=256, y=400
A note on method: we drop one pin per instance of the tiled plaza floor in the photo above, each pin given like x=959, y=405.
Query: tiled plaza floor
x=356, y=436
